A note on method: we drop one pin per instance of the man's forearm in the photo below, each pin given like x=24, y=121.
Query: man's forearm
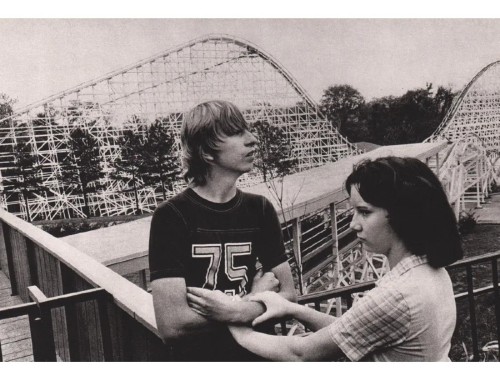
x=247, y=311
x=183, y=326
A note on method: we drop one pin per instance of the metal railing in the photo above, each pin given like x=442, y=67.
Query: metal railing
x=321, y=301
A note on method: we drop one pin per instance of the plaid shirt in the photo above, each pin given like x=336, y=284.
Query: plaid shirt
x=380, y=319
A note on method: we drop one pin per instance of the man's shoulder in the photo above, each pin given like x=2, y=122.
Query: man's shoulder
x=175, y=203
x=254, y=199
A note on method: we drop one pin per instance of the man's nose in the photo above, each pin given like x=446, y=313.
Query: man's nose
x=251, y=139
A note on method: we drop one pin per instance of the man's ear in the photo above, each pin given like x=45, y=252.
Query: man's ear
x=207, y=157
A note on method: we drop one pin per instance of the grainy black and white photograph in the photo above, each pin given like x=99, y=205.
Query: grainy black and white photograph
x=249, y=189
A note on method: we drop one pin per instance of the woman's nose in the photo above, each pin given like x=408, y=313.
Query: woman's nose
x=354, y=224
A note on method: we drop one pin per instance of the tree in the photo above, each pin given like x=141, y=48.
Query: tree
x=274, y=151
x=160, y=164
x=342, y=104
x=25, y=172
x=81, y=169
x=128, y=166
x=6, y=109
x=409, y=118
x=274, y=159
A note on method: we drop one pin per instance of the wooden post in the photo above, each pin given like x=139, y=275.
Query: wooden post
x=10, y=262
x=102, y=303
x=297, y=236
x=335, y=236
x=335, y=252
x=32, y=263
x=68, y=286
x=42, y=334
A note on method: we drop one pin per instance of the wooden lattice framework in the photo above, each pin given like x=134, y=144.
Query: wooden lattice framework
x=466, y=171
x=476, y=111
x=161, y=87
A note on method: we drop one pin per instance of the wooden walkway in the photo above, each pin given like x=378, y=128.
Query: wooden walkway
x=15, y=335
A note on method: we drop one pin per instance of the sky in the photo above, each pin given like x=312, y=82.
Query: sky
x=379, y=57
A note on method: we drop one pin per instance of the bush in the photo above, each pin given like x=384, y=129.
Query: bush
x=494, y=187
x=467, y=220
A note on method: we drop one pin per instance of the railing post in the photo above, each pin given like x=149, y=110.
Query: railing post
x=68, y=286
x=32, y=263
x=102, y=301
x=335, y=253
x=494, y=271
x=472, y=313
x=42, y=334
x=297, y=236
x=335, y=236
x=10, y=262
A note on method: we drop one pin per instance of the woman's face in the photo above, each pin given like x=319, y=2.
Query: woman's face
x=371, y=224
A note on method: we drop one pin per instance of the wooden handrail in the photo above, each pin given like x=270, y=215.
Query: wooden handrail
x=130, y=298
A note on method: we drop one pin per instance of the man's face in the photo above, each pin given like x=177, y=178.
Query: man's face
x=235, y=154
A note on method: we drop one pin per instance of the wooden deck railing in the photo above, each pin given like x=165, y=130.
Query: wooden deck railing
x=32, y=257
x=91, y=313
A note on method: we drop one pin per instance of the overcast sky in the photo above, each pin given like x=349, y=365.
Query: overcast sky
x=379, y=57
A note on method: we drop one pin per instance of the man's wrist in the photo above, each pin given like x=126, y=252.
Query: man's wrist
x=245, y=311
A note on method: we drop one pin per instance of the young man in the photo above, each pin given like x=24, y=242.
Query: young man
x=206, y=242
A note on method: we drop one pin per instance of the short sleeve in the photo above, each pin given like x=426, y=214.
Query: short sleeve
x=379, y=319
x=168, y=240
x=271, y=251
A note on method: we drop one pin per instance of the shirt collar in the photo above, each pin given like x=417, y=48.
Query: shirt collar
x=404, y=266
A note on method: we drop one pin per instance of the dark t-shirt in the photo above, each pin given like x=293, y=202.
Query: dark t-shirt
x=214, y=246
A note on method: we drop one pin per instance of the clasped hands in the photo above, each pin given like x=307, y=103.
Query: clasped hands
x=217, y=306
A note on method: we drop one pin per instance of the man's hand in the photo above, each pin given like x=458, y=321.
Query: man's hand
x=213, y=305
x=265, y=282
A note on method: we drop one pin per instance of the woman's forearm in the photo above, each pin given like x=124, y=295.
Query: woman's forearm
x=272, y=347
x=312, y=319
x=314, y=347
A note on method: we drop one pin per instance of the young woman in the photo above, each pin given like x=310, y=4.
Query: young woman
x=401, y=211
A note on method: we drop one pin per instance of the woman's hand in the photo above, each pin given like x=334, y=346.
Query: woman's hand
x=213, y=305
x=276, y=306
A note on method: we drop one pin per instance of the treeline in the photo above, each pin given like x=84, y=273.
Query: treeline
x=389, y=120
x=145, y=156
x=148, y=158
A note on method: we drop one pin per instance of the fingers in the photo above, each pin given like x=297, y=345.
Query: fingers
x=198, y=291
x=259, y=274
x=258, y=297
x=262, y=318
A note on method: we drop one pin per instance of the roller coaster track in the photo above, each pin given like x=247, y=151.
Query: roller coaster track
x=160, y=88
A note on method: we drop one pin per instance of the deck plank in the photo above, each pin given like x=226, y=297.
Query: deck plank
x=15, y=336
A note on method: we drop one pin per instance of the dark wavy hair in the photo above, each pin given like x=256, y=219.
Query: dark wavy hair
x=202, y=130
x=417, y=206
